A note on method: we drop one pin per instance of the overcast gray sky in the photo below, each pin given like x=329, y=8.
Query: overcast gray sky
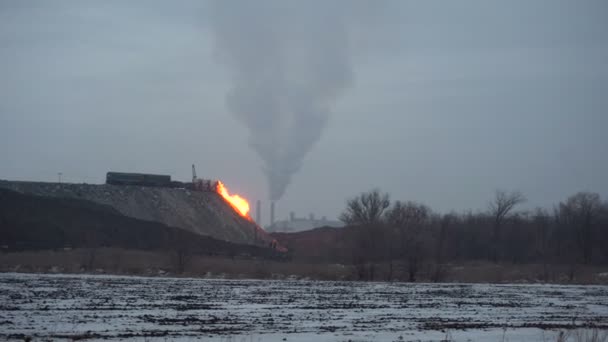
x=449, y=100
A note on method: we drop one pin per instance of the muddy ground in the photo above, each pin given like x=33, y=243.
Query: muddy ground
x=68, y=307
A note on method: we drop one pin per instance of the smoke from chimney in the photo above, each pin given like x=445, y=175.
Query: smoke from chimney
x=289, y=62
x=272, y=213
x=258, y=212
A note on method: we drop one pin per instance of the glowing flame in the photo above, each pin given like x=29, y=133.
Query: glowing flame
x=237, y=202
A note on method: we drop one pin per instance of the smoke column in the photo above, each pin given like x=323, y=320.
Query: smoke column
x=289, y=62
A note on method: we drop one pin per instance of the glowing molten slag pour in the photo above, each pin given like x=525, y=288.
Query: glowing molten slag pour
x=237, y=202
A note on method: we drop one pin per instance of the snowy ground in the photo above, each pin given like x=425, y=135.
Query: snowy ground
x=55, y=307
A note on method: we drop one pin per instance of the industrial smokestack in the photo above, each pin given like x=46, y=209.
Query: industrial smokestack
x=258, y=212
x=272, y=213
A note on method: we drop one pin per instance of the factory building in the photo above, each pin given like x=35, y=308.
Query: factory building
x=298, y=224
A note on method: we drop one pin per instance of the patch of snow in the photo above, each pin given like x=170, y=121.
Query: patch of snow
x=96, y=306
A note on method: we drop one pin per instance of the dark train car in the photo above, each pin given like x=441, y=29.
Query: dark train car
x=121, y=178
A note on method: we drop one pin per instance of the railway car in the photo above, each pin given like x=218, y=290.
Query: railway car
x=142, y=179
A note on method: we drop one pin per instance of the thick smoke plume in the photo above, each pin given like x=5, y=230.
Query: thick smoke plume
x=289, y=62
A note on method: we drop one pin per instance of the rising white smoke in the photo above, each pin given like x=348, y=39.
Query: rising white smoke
x=289, y=61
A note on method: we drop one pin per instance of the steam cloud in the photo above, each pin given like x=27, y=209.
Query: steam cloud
x=289, y=62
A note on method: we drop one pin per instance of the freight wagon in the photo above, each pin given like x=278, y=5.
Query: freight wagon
x=121, y=178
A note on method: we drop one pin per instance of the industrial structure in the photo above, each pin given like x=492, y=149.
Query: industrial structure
x=147, y=179
x=202, y=184
x=298, y=224
x=258, y=212
x=271, y=213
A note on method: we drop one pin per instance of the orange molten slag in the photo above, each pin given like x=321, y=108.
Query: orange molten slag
x=238, y=203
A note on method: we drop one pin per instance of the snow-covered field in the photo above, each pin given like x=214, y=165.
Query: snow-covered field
x=55, y=307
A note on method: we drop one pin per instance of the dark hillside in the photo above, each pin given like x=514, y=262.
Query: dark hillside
x=30, y=222
x=202, y=212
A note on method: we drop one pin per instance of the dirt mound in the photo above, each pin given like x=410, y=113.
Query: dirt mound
x=204, y=213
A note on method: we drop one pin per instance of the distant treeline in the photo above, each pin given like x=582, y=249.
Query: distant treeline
x=404, y=236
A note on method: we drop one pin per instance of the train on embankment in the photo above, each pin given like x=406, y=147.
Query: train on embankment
x=145, y=179
x=164, y=181
x=142, y=179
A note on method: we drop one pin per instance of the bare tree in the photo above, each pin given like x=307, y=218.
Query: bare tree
x=445, y=222
x=365, y=209
x=542, y=223
x=92, y=241
x=503, y=203
x=365, y=212
x=370, y=249
x=580, y=212
x=499, y=209
x=183, y=253
x=182, y=259
x=91, y=254
x=408, y=219
x=602, y=231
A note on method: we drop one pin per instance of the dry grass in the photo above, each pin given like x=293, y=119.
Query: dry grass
x=120, y=261
x=110, y=260
x=475, y=272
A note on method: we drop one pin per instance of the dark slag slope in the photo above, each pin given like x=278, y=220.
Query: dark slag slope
x=35, y=222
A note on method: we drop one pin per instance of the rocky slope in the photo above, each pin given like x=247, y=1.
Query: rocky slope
x=29, y=222
x=205, y=213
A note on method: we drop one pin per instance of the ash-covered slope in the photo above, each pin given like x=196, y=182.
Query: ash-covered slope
x=29, y=222
x=205, y=213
